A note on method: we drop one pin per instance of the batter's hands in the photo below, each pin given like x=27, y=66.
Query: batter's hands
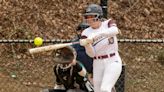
x=84, y=42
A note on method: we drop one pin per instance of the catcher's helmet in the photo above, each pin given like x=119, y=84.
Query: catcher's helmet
x=93, y=9
x=65, y=55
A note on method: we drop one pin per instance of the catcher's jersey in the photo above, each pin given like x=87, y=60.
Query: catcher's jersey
x=102, y=45
x=67, y=76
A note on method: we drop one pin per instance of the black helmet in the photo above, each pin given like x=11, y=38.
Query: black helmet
x=65, y=55
x=94, y=9
x=82, y=26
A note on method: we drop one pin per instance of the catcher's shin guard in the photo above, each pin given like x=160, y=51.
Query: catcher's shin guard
x=89, y=86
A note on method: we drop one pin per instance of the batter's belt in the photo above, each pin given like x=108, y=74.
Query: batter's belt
x=105, y=56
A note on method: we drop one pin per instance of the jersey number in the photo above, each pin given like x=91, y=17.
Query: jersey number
x=111, y=40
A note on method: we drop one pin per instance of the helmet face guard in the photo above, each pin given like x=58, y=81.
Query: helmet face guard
x=91, y=16
x=65, y=66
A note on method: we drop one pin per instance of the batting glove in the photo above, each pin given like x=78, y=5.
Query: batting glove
x=84, y=42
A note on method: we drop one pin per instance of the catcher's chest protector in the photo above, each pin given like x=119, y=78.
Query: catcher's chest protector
x=66, y=76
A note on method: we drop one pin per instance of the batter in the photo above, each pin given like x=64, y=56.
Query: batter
x=101, y=43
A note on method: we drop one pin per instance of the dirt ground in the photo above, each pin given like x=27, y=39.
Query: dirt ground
x=57, y=19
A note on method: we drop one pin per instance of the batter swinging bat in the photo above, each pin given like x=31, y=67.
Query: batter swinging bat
x=50, y=47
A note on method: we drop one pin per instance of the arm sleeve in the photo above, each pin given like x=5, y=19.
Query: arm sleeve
x=111, y=30
x=81, y=70
x=78, y=67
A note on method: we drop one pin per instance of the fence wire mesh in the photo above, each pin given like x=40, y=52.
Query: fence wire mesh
x=26, y=19
x=22, y=72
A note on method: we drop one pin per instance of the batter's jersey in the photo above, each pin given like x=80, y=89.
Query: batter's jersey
x=103, y=44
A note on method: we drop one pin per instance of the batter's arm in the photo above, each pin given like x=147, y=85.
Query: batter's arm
x=110, y=31
x=112, y=28
x=113, y=31
x=88, y=47
x=90, y=50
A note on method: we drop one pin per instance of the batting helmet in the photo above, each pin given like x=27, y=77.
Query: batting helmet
x=93, y=9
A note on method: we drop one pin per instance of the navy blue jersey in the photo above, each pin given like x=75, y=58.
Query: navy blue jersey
x=83, y=57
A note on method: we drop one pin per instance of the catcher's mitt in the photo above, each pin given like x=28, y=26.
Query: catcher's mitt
x=65, y=55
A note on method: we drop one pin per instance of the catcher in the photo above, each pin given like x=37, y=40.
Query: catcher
x=70, y=75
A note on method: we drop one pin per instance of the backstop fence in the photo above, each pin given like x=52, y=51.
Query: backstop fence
x=23, y=72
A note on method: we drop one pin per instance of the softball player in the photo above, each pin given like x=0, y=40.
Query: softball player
x=69, y=74
x=100, y=42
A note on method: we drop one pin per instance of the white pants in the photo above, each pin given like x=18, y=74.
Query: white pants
x=106, y=73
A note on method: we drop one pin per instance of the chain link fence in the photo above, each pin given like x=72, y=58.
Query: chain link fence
x=22, y=72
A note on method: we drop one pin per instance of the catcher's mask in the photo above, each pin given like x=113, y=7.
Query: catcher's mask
x=65, y=56
x=94, y=12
